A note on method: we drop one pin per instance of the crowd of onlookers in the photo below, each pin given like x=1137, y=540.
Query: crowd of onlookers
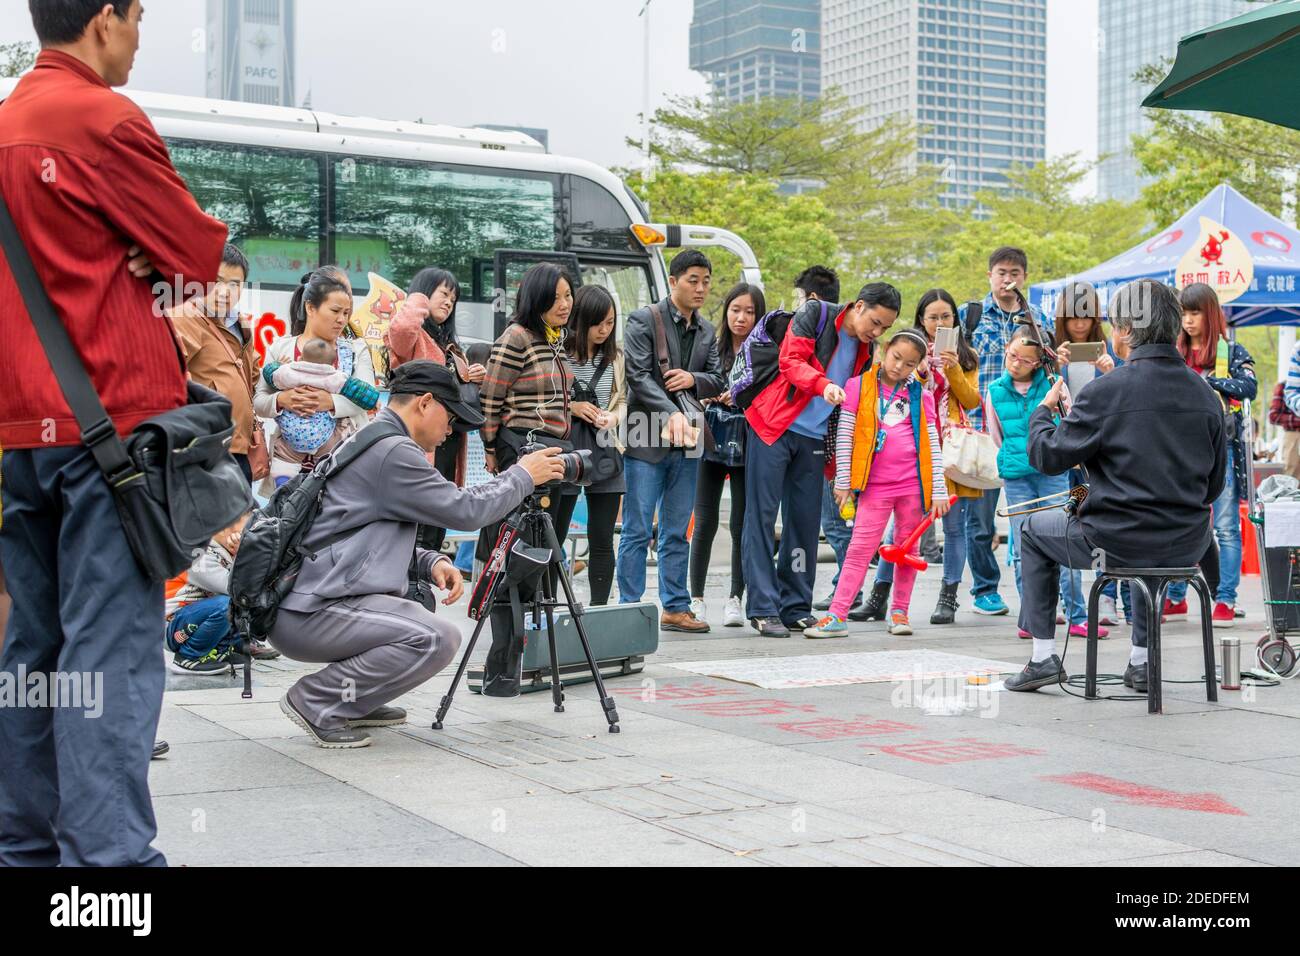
x=838, y=430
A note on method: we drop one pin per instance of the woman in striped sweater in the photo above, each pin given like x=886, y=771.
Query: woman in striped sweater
x=528, y=381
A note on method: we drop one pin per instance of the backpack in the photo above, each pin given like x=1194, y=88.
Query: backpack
x=974, y=311
x=270, y=551
x=761, y=354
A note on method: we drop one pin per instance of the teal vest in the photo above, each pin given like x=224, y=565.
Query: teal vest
x=1013, y=413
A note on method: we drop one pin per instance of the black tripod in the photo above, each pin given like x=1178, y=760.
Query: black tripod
x=535, y=525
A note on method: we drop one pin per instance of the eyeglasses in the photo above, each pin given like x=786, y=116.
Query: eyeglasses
x=1026, y=363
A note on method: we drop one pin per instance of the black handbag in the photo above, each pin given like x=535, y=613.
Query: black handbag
x=730, y=433
x=606, y=461
x=690, y=406
x=173, y=480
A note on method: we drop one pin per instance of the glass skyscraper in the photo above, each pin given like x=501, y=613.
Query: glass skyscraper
x=751, y=50
x=971, y=73
x=1133, y=35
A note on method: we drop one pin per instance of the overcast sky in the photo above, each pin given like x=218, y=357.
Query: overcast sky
x=574, y=67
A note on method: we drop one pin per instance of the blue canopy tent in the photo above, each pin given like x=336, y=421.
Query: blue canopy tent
x=1226, y=241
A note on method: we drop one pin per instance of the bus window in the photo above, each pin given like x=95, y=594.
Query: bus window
x=629, y=285
x=270, y=200
x=397, y=218
x=597, y=220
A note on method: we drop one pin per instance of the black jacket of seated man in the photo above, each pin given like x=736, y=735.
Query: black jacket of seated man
x=1151, y=436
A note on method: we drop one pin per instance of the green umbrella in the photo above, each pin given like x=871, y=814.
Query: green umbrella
x=1249, y=65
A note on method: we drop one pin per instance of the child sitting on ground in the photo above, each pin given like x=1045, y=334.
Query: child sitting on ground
x=198, y=633
x=887, y=454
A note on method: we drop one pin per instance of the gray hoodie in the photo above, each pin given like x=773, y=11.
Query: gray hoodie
x=376, y=503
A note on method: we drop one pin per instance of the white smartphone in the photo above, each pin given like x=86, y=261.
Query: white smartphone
x=945, y=340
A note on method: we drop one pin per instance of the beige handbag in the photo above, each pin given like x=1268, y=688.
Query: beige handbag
x=970, y=458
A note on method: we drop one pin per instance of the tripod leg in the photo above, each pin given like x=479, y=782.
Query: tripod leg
x=548, y=601
x=606, y=702
x=460, y=670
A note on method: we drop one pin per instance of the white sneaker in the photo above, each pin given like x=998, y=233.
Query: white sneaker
x=1106, y=612
x=733, y=615
x=697, y=608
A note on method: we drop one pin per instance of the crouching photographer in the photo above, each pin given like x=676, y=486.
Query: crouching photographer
x=347, y=607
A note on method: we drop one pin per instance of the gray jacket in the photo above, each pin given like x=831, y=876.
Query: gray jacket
x=375, y=505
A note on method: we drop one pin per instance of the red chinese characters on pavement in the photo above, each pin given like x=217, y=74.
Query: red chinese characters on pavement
x=957, y=751
x=748, y=708
x=676, y=692
x=833, y=728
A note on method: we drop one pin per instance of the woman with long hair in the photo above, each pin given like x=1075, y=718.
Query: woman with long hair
x=1230, y=371
x=320, y=309
x=953, y=376
x=525, y=396
x=600, y=393
x=425, y=328
x=742, y=307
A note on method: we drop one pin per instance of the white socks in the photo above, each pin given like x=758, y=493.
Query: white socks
x=1137, y=656
x=1043, y=650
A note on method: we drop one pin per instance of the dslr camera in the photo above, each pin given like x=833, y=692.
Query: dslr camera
x=577, y=464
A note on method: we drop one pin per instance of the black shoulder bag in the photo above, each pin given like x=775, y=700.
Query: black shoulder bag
x=173, y=480
x=606, y=462
x=690, y=406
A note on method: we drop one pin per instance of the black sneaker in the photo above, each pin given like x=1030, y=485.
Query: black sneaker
x=211, y=664
x=769, y=627
x=1036, y=675
x=344, y=738
x=826, y=602
x=160, y=749
x=1135, y=676
x=802, y=624
x=380, y=717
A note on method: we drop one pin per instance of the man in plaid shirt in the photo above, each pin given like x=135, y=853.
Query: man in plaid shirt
x=1008, y=271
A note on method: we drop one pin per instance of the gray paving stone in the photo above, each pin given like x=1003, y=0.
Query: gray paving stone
x=245, y=827
x=227, y=765
x=1064, y=842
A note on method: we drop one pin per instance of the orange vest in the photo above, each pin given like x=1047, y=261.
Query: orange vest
x=868, y=424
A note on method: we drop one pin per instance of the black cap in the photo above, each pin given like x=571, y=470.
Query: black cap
x=423, y=377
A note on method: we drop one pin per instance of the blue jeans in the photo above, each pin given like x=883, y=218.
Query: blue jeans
x=1227, y=529
x=205, y=624
x=669, y=487
x=75, y=789
x=833, y=526
x=954, y=546
x=465, y=556
x=1071, y=583
x=984, y=571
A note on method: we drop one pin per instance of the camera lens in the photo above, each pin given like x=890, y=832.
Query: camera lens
x=577, y=467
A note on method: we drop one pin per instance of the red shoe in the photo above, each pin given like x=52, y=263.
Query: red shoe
x=1023, y=634
x=1081, y=630
x=1174, y=610
x=1224, y=616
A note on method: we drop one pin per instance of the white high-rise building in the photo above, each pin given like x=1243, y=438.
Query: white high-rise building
x=1133, y=35
x=251, y=50
x=971, y=73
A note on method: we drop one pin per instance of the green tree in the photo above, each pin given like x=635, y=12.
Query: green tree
x=1039, y=213
x=787, y=232
x=1186, y=155
x=878, y=201
x=16, y=58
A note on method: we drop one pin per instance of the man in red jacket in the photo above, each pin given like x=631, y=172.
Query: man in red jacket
x=784, y=466
x=94, y=195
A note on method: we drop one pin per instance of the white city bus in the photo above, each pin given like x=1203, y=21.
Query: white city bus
x=299, y=188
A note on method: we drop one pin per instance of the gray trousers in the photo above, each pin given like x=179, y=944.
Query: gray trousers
x=1047, y=542
x=377, y=647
